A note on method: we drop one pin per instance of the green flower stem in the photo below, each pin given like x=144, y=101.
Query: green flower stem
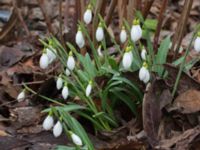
x=182, y=66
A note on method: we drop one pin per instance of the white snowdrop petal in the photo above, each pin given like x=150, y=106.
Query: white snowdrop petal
x=136, y=33
x=59, y=83
x=21, y=96
x=123, y=36
x=57, y=129
x=71, y=63
x=87, y=17
x=99, y=52
x=76, y=139
x=65, y=92
x=44, y=61
x=99, y=34
x=67, y=72
x=127, y=60
x=142, y=73
x=88, y=90
x=147, y=77
x=143, y=54
x=80, y=39
x=51, y=54
x=197, y=44
x=48, y=123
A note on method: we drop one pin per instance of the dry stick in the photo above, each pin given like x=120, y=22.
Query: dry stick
x=122, y=11
x=181, y=27
x=60, y=24
x=66, y=16
x=147, y=7
x=110, y=12
x=47, y=19
x=18, y=11
x=131, y=10
x=159, y=26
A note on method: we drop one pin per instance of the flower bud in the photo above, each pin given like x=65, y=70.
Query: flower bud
x=99, y=51
x=144, y=74
x=99, y=33
x=59, y=83
x=65, y=92
x=87, y=17
x=67, y=72
x=88, y=89
x=127, y=58
x=136, y=31
x=70, y=62
x=51, y=54
x=48, y=122
x=57, y=129
x=80, y=39
x=143, y=54
x=76, y=139
x=197, y=43
x=21, y=96
x=44, y=61
x=123, y=35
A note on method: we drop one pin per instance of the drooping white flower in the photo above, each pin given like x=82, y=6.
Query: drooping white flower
x=57, y=129
x=80, y=39
x=21, y=96
x=70, y=62
x=99, y=33
x=44, y=61
x=136, y=31
x=123, y=35
x=65, y=92
x=88, y=89
x=67, y=72
x=144, y=74
x=197, y=43
x=51, y=53
x=99, y=51
x=143, y=54
x=48, y=123
x=87, y=17
x=76, y=139
x=59, y=83
x=127, y=58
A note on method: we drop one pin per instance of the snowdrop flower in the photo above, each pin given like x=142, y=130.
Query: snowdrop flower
x=67, y=72
x=144, y=74
x=57, y=129
x=79, y=38
x=127, y=58
x=99, y=33
x=87, y=17
x=21, y=96
x=136, y=31
x=123, y=35
x=99, y=51
x=70, y=61
x=88, y=89
x=197, y=43
x=76, y=139
x=51, y=54
x=44, y=61
x=143, y=54
x=65, y=91
x=59, y=82
x=48, y=123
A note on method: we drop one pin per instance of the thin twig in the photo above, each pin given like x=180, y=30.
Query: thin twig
x=181, y=27
x=159, y=26
x=46, y=17
x=111, y=9
x=147, y=7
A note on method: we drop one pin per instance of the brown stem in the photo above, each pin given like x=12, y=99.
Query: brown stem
x=60, y=24
x=46, y=17
x=147, y=7
x=110, y=12
x=181, y=27
x=159, y=26
x=66, y=16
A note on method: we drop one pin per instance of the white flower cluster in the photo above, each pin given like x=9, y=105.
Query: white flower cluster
x=48, y=124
